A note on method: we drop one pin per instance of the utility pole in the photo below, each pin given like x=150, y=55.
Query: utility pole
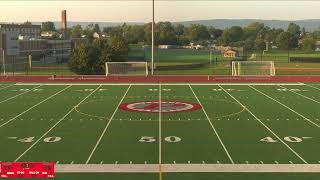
x=152, y=40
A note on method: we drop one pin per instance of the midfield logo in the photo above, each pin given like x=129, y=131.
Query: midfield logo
x=154, y=106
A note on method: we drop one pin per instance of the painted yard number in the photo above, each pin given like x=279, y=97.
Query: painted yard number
x=47, y=139
x=149, y=139
x=291, y=139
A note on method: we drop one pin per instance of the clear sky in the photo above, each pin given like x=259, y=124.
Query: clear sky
x=171, y=10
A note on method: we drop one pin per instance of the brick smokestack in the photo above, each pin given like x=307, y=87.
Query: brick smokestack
x=64, y=29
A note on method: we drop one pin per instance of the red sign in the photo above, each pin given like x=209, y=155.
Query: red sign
x=154, y=106
x=27, y=170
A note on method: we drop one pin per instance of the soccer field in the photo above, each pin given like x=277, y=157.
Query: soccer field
x=150, y=128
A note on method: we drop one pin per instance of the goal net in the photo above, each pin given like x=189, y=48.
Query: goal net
x=126, y=68
x=253, y=68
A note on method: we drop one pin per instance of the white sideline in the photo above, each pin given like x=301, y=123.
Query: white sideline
x=305, y=118
x=164, y=84
x=56, y=123
x=7, y=86
x=19, y=94
x=34, y=106
x=105, y=129
x=293, y=151
x=312, y=86
x=213, y=128
x=306, y=97
x=153, y=168
x=160, y=130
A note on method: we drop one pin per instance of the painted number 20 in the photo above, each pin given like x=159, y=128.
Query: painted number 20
x=149, y=139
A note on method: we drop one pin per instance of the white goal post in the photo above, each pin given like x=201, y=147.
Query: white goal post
x=253, y=68
x=126, y=69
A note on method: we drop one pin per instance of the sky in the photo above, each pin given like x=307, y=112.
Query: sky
x=170, y=10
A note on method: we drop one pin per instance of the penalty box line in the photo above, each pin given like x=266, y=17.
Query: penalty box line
x=213, y=128
x=105, y=129
x=264, y=125
x=71, y=110
x=34, y=106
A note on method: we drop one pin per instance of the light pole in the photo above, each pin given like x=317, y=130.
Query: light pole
x=3, y=62
x=152, y=40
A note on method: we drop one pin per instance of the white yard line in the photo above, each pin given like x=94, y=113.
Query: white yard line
x=312, y=86
x=34, y=106
x=160, y=131
x=213, y=128
x=306, y=97
x=7, y=86
x=293, y=151
x=153, y=168
x=305, y=118
x=71, y=110
x=164, y=84
x=19, y=94
x=105, y=129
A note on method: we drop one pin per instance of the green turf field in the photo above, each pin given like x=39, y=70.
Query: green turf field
x=231, y=124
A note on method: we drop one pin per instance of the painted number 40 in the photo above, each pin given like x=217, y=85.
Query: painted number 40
x=291, y=139
x=149, y=139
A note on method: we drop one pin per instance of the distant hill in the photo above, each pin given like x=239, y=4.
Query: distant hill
x=310, y=24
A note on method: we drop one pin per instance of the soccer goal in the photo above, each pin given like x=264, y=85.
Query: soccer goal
x=126, y=69
x=253, y=68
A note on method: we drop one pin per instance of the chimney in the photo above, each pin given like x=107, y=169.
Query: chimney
x=64, y=30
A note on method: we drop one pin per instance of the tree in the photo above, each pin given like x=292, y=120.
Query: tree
x=308, y=43
x=231, y=35
x=96, y=28
x=27, y=23
x=295, y=32
x=166, y=33
x=197, y=32
x=76, y=31
x=87, y=59
x=48, y=26
x=283, y=41
x=215, y=33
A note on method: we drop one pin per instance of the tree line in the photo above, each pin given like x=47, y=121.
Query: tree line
x=254, y=36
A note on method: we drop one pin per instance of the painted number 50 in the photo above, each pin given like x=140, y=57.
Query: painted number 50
x=149, y=139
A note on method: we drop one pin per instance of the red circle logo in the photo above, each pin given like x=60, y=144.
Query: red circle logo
x=154, y=107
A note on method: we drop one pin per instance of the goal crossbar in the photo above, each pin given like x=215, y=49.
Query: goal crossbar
x=253, y=68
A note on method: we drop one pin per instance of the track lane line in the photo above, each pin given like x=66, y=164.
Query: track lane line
x=34, y=106
x=213, y=128
x=105, y=129
x=19, y=94
x=71, y=110
x=264, y=125
x=305, y=118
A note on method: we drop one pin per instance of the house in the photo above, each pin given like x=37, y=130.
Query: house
x=166, y=46
x=231, y=53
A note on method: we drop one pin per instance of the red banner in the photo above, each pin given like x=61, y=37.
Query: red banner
x=27, y=170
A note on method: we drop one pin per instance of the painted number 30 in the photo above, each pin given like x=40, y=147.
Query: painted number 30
x=149, y=139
